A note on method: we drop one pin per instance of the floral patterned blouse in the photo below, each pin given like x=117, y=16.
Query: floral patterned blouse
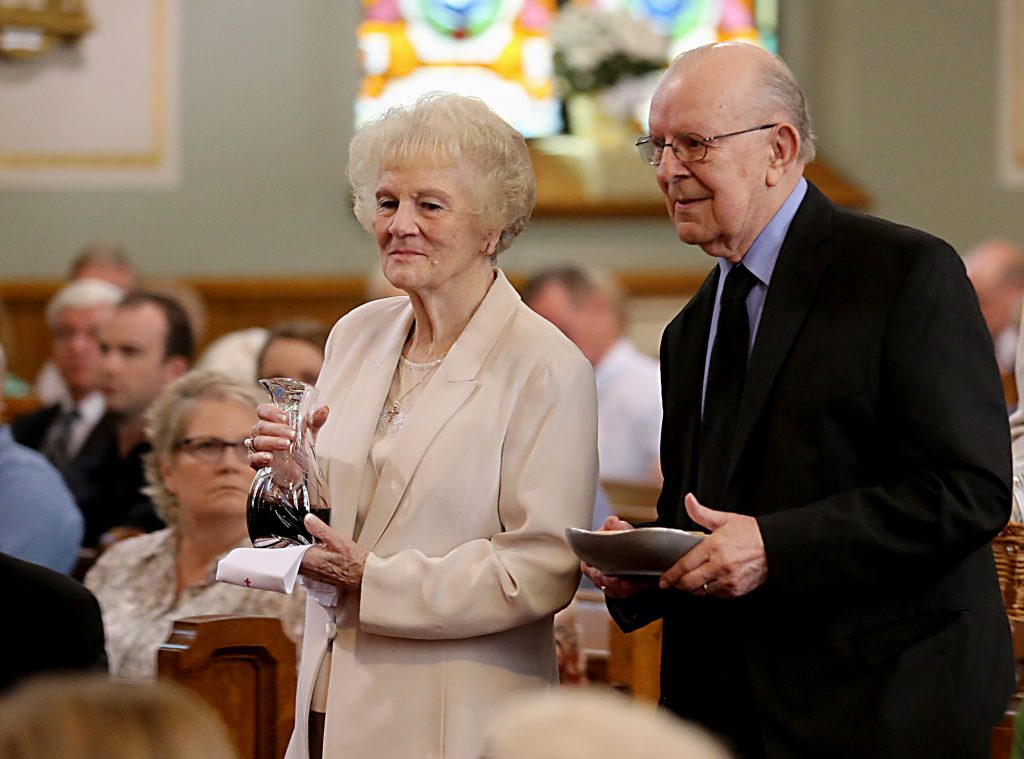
x=135, y=581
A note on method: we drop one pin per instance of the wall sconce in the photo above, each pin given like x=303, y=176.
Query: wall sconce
x=29, y=28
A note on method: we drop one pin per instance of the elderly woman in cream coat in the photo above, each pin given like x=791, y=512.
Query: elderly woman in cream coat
x=459, y=445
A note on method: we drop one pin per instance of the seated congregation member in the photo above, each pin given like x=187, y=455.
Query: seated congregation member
x=996, y=270
x=52, y=624
x=588, y=723
x=106, y=262
x=589, y=307
x=459, y=445
x=199, y=478
x=235, y=353
x=146, y=343
x=39, y=520
x=86, y=717
x=75, y=432
x=293, y=348
x=1017, y=415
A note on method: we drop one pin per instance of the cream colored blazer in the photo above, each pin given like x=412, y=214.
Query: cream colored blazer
x=468, y=560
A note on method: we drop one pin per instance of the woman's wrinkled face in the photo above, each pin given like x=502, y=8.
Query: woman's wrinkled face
x=427, y=233
x=209, y=479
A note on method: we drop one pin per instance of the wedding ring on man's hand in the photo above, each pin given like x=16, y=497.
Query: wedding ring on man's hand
x=248, y=445
x=706, y=591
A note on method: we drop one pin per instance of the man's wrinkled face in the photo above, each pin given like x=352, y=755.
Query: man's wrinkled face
x=718, y=203
x=76, y=347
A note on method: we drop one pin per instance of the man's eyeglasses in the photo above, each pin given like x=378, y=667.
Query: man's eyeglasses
x=688, y=148
x=210, y=450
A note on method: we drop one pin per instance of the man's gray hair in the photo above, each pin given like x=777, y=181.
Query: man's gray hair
x=782, y=92
x=82, y=293
x=779, y=91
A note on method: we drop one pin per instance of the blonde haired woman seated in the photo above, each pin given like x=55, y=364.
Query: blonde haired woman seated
x=590, y=723
x=75, y=717
x=461, y=443
x=199, y=480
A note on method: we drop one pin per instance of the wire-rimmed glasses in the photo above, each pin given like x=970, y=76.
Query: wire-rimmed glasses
x=688, y=147
x=210, y=450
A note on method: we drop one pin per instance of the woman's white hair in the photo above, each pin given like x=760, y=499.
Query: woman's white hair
x=444, y=130
x=82, y=293
x=170, y=415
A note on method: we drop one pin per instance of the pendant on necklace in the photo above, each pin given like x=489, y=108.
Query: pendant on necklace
x=391, y=418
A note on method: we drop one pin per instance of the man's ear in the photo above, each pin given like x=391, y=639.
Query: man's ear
x=174, y=367
x=785, y=149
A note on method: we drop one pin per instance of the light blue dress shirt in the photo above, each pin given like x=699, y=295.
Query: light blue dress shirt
x=760, y=261
x=39, y=520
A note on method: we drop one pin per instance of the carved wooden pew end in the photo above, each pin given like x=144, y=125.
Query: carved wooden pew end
x=245, y=667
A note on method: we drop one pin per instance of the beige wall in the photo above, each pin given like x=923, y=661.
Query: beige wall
x=905, y=99
x=903, y=93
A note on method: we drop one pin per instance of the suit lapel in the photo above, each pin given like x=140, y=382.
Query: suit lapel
x=801, y=261
x=357, y=420
x=692, y=349
x=445, y=393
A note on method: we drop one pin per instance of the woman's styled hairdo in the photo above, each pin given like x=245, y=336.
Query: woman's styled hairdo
x=77, y=716
x=170, y=414
x=445, y=130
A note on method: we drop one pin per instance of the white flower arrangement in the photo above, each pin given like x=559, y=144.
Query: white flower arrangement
x=595, y=49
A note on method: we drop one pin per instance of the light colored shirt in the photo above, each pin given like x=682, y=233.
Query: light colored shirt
x=628, y=413
x=136, y=583
x=760, y=261
x=39, y=521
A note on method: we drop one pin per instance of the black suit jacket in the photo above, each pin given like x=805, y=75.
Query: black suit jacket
x=52, y=623
x=872, y=446
x=107, y=488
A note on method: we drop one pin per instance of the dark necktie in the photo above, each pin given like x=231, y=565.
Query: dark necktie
x=58, y=440
x=726, y=373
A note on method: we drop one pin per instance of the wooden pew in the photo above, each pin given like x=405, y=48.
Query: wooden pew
x=245, y=667
x=634, y=661
x=12, y=408
x=1002, y=733
x=633, y=501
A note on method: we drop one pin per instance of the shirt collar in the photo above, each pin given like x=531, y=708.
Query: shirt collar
x=761, y=257
x=92, y=406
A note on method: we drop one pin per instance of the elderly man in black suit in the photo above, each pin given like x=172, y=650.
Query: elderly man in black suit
x=833, y=417
x=74, y=432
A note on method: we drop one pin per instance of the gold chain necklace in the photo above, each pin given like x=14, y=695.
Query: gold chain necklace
x=392, y=417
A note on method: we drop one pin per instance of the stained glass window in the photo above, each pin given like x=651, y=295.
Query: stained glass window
x=500, y=50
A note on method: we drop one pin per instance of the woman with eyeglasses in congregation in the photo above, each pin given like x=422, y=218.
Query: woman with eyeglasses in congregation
x=199, y=479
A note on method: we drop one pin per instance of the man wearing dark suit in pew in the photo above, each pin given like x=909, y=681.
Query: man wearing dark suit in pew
x=833, y=417
x=146, y=343
x=75, y=432
x=52, y=623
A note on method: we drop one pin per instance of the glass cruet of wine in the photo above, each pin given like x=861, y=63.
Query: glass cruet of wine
x=293, y=485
